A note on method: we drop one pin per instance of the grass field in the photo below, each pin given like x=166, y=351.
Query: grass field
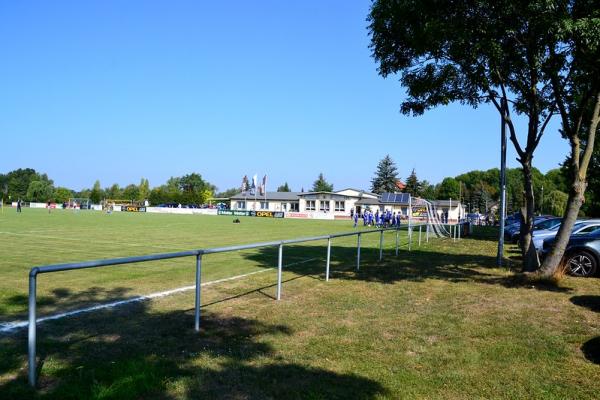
x=437, y=322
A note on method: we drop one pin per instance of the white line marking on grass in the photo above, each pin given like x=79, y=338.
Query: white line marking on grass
x=14, y=325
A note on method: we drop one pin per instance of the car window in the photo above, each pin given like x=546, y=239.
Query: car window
x=547, y=224
x=589, y=229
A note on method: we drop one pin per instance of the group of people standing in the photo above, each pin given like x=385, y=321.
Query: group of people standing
x=383, y=219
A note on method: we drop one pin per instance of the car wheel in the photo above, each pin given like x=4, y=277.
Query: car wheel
x=582, y=264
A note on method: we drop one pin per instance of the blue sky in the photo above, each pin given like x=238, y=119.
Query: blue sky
x=116, y=91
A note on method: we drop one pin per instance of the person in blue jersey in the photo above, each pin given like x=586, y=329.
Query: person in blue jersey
x=355, y=217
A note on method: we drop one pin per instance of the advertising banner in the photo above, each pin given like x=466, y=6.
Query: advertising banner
x=239, y=213
x=133, y=209
x=267, y=214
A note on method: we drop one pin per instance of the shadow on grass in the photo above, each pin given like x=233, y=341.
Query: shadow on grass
x=590, y=302
x=133, y=352
x=71, y=300
x=591, y=348
x=418, y=265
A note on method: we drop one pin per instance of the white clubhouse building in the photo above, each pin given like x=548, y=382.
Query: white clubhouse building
x=322, y=205
x=339, y=204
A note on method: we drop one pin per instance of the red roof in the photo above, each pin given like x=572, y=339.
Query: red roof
x=400, y=185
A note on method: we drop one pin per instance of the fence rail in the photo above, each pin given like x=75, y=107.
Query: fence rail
x=199, y=253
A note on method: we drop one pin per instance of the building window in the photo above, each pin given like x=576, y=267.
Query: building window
x=310, y=205
x=264, y=205
x=294, y=207
x=241, y=205
x=324, y=206
x=340, y=206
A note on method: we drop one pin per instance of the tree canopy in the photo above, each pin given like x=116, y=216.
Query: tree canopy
x=321, y=185
x=284, y=188
x=386, y=176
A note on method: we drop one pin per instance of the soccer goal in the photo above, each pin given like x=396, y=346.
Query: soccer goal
x=79, y=203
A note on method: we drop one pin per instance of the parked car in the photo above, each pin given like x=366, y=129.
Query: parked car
x=513, y=232
x=582, y=255
x=581, y=227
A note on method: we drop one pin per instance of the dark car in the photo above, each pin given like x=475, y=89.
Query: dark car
x=582, y=255
x=513, y=232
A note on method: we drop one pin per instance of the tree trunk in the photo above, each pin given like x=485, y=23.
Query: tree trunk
x=552, y=262
x=530, y=259
x=579, y=165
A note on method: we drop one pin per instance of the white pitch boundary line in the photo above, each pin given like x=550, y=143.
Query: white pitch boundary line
x=14, y=325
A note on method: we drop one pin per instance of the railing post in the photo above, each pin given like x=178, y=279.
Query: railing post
x=358, y=254
x=459, y=229
x=427, y=233
x=279, y=271
x=397, y=240
x=381, y=245
x=328, y=259
x=198, y=288
x=32, y=329
x=409, y=238
x=419, y=235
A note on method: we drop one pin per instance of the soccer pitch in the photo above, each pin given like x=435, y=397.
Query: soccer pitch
x=36, y=237
x=430, y=323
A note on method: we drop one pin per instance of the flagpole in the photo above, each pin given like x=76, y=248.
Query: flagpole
x=265, y=189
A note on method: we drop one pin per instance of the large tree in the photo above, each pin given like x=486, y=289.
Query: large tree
x=144, y=189
x=96, y=194
x=490, y=51
x=40, y=191
x=321, y=185
x=448, y=189
x=385, y=177
x=574, y=73
x=413, y=186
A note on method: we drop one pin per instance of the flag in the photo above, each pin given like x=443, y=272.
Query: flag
x=263, y=187
x=245, y=184
x=254, y=185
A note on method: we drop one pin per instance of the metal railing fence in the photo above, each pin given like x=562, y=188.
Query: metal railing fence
x=199, y=253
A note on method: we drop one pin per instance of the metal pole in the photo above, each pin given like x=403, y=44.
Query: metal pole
x=32, y=330
x=397, y=240
x=409, y=238
x=198, y=286
x=419, y=235
x=328, y=259
x=502, y=210
x=459, y=229
x=279, y=271
x=358, y=254
x=381, y=245
x=427, y=234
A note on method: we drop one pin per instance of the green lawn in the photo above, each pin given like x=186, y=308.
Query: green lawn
x=437, y=322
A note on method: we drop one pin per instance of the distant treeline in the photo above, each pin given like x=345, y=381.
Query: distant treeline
x=30, y=185
x=476, y=189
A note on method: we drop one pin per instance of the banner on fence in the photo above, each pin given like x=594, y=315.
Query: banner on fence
x=133, y=209
x=244, y=213
x=267, y=214
x=239, y=213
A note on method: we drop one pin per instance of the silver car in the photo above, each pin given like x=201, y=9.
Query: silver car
x=580, y=227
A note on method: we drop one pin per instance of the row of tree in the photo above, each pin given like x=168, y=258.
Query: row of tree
x=29, y=185
x=478, y=190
